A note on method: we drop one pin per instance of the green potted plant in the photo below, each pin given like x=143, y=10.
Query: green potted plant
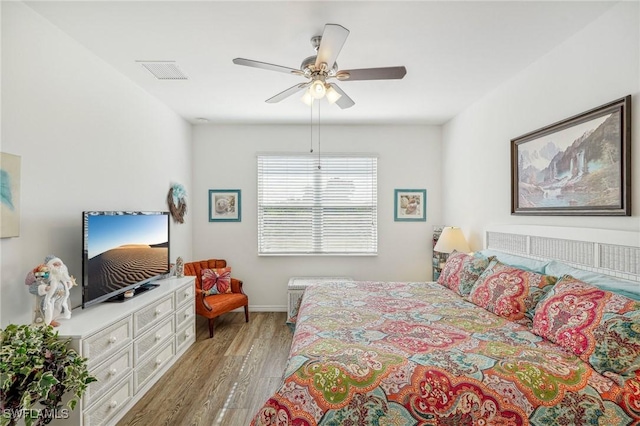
x=36, y=370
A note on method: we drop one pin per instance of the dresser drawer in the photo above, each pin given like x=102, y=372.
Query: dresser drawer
x=109, y=405
x=106, y=342
x=152, y=339
x=147, y=369
x=185, y=336
x=109, y=373
x=185, y=314
x=151, y=315
x=185, y=294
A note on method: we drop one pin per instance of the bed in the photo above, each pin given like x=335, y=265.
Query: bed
x=479, y=348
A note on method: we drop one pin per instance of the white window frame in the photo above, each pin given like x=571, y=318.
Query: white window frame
x=317, y=234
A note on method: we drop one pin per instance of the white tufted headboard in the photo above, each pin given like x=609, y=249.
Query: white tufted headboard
x=610, y=252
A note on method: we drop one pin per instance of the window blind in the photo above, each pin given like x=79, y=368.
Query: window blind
x=306, y=209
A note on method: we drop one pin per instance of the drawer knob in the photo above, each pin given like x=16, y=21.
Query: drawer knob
x=113, y=339
x=113, y=372
x=187, y=314
x=158, y=361
x=187, y=334
x=113, y=404
x=187, y=293
x=158, y=336
x=158, y=311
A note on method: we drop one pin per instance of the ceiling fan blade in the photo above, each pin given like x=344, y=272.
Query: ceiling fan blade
x=285, y=94
x=266, y=66
x=333, y=38
x=388, y=73
x=344, y=101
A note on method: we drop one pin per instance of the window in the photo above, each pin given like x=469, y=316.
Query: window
x=306, y=209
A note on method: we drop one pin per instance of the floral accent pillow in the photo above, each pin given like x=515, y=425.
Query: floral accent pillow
x=462, y=271
x=216, y=281
x=510, y=292
x=601, y=327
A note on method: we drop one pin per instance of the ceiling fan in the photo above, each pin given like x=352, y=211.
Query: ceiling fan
x=322, y=67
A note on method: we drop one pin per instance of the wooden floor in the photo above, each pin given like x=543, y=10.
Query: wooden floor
x=220, y=381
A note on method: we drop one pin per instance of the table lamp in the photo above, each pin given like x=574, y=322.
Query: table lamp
x=452, y=239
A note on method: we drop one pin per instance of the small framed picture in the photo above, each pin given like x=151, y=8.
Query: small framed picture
x=410, y=205
x=225, y=205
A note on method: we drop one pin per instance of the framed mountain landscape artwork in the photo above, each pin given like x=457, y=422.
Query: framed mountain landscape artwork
x=578, y=166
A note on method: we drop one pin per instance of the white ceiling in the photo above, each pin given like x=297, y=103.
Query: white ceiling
x=454, y=52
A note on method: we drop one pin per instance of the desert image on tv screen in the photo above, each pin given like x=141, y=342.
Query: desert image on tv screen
x=124, y=250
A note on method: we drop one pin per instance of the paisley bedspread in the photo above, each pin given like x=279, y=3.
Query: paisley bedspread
x=380, y=353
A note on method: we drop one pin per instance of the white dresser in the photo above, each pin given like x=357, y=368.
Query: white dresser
x=129, y=346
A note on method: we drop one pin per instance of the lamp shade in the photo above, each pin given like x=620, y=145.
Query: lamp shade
x=317, y=89
x=332, y=95
x=452, y=239
x=307, y=98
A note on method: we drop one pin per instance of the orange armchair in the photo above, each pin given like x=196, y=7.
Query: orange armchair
x=217, y=304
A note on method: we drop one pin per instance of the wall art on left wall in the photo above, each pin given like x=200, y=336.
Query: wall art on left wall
x=9, y=195
x=225, y=205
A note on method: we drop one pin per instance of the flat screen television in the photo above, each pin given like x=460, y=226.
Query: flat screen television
x=122, y=253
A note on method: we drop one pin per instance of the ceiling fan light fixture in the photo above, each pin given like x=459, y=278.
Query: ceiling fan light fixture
x=332, y=95
x=317, y=89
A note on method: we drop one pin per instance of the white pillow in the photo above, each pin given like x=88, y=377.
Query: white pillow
x=630, y=289
x=520, y=262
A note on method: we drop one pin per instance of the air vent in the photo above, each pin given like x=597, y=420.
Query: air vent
x=164, y=70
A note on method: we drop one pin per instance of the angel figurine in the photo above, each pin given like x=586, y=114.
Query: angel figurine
x=50, y=282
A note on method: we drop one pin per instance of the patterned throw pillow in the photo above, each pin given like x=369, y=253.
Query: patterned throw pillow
x=216, y=281
x=510, y=292
x=601, y=327
x=462, y=271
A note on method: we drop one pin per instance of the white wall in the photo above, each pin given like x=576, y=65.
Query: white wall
x=0, y=150
x=89, y=139
x=225, y=158
x=599, y=64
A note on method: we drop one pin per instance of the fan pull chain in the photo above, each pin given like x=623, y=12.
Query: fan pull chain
x=319, y=167
x=311, y=127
